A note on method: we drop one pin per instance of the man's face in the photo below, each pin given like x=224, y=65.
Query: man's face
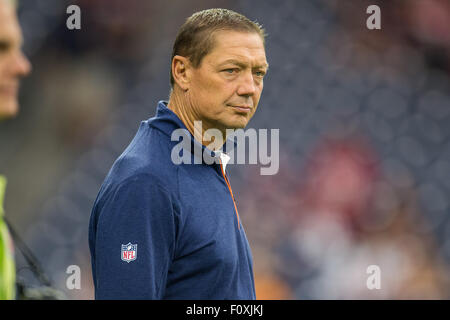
x=13, y=64
x=224, y=90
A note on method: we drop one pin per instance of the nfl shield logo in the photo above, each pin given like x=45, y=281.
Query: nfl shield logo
x=129, y=252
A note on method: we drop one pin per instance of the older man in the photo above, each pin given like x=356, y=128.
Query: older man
x=13, y=66
x=161, y=230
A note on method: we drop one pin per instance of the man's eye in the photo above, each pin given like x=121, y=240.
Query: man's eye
x=4, y=46
x=260, y=73
x=230, y=71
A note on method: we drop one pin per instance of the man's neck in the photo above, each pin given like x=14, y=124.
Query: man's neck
x=181, y=107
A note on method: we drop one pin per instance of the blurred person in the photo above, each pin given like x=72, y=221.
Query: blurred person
x=13, y=66
x=340, y=180
x=164, y=231
x=412, y=266
x=349, y=218
x=337, y=189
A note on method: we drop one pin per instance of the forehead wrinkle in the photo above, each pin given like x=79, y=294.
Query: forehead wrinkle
x=225, y=50
x=223, y=42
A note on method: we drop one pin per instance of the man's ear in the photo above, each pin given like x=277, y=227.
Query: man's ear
x=181, y=71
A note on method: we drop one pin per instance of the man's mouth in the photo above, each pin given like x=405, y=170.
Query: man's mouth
x=9, y=90
x=242, y=108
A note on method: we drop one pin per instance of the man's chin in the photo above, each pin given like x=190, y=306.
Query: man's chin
x=8, y=109
x=239, y=123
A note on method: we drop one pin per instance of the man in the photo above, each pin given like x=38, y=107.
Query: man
x=13, y=66
x=159, y=230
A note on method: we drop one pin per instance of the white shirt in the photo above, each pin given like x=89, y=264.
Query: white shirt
x=224, y=158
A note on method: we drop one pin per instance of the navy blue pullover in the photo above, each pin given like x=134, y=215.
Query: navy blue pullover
x=159, y=230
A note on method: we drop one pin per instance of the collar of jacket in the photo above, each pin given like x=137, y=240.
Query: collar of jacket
x=167, y=121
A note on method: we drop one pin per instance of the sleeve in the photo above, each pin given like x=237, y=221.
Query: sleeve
x=134, y=241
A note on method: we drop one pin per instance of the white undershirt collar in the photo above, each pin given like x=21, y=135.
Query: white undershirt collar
x=224, y=158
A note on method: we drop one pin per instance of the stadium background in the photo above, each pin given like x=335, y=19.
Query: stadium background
x=364, y=139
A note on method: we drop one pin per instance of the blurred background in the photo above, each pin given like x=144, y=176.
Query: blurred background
x=364, y=139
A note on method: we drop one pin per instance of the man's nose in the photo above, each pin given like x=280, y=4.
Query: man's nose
x=20, y=66
x=247, y=85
